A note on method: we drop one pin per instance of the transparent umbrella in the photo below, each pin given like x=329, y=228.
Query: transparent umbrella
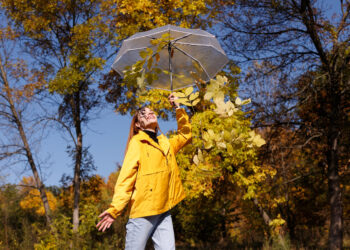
x=187, y=52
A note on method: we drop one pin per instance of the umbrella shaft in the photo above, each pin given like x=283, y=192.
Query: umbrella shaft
x=170, y=67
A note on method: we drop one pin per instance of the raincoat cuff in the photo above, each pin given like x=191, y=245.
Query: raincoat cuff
x=179, y=111
x=113, y=212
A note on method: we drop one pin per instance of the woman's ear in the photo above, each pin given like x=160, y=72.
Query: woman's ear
x=137, y=124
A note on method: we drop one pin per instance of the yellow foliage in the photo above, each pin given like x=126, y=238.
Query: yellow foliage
x=222, y=142
x=277, y=223
x=187, y=97
x=138, y=15
x=33, y=201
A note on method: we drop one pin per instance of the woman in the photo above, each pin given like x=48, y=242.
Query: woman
x=149, y=181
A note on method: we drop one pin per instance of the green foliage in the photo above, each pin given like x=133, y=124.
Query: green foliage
x=75, y=45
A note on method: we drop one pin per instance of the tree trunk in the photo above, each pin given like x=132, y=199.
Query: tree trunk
x=334, y=190
x=29, y=155
x=335, y=195
x=262, y=212
x=6, y=223
x=75, y=102
x=333, y=128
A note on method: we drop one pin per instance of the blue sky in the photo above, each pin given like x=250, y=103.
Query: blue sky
x=106, y=137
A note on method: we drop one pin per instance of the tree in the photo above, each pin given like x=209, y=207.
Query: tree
x=17, y=84
x=135, y=16
x=31, y=200
x=70, y=39
x=296, y=38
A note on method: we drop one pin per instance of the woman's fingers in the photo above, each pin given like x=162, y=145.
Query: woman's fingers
x=106, y=226
x=100, y=222
x=172, y=99
x=103, y=214
x=105, y=222
x=103, y=226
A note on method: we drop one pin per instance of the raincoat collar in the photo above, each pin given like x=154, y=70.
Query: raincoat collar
x=163, y=143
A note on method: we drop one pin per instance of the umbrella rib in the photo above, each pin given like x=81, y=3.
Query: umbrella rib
x=177, y=39
x=139, y=48
x=119, y=57
x=151, y=36
x=205, y=45
x=193, y=59
x=157, y=52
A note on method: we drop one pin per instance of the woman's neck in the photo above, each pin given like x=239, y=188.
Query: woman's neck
x=150, y=130
x=151, y=134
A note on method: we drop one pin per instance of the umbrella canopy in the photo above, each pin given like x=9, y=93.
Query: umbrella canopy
x=188, y=50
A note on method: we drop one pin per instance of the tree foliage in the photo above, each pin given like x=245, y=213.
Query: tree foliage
x=70, y=41
x=135, y=16
x=32, y=199
x=293, y=40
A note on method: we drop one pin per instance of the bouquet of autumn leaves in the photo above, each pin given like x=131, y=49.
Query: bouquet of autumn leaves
x=223, y=141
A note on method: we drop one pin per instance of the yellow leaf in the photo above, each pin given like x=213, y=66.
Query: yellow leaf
x=208, y=144
x=188, y=91
x=194, y=96
x=200, y=155
x=238, y=101
x=184, y=102
x=211, y=134
x=179, y=94
x=157, y=57
x=246, y=101
x=195, y=102
x=258, y=141
x=195, y=160
x=221, y=144
x=149, y=63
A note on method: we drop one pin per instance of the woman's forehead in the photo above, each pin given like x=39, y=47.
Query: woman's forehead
x=145, y=109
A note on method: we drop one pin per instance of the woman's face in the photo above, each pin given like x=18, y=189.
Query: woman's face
x=147, y=119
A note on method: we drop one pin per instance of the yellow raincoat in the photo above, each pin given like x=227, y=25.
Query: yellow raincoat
x=149, y=179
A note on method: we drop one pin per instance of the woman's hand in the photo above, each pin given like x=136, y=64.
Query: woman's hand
x=173, y=102
x=105, y=222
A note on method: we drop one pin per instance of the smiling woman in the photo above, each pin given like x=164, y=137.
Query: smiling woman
x=149, y=181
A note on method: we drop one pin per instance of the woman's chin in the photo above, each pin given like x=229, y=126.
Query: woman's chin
x=151, y=126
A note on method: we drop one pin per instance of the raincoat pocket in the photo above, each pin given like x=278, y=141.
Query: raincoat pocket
x=157, y=187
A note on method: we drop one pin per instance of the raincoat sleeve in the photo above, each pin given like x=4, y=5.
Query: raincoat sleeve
x=184, y=133
x=126, y=179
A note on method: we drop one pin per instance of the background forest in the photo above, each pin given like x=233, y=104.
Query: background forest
x=268, y=166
